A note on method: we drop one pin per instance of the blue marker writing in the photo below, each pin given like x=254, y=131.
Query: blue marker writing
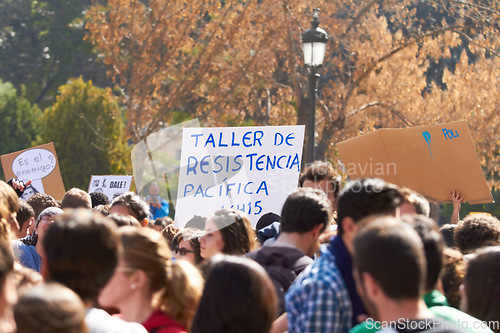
x=427, y=137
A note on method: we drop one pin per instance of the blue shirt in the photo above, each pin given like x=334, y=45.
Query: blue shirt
x=318, y=300
x=156, y=212
x=27, y=255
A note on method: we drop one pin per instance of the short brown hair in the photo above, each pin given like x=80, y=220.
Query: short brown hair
x=418, y=201
x=81, y=250
x=76, y=198
x=433, y=243
x=40, y=201
x=49, y=307
x=318, y=171
x=393, y=254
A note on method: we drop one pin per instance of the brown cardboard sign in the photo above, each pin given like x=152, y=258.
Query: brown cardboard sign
x=38, y=164
x=432, y=160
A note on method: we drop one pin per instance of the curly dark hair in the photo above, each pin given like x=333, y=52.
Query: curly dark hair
x=137, y=207
x=477, y=231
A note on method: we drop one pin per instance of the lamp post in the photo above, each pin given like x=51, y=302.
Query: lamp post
x=314, y=47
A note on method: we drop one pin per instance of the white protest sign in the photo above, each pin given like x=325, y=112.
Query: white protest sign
x=34, y=164
x=252, y=169
x=112, y=186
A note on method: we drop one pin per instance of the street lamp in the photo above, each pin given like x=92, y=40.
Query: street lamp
x=314, y=46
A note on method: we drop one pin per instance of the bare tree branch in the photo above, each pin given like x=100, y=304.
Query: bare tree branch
x=383, y=105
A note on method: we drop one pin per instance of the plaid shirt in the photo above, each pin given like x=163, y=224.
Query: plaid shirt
x=318, y=300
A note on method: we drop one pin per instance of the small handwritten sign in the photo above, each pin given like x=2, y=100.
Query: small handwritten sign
x=38, y=164
x=112, y=186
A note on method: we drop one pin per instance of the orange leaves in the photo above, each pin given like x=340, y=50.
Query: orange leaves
x=242, y=62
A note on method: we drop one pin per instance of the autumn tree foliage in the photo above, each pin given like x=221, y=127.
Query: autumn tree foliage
x=388, y=64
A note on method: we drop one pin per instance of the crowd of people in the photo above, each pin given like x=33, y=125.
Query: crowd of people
x=362, y=258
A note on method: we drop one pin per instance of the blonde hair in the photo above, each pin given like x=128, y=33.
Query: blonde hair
x=8, y=204
x=181, y=297
x=176, y=288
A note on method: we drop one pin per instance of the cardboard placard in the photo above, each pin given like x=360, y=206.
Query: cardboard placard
x=112, y=186
x=38, y=164
x=432, y=160
x=252, y=169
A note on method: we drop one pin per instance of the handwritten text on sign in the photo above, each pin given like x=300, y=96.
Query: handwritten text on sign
x=247, y=168
x=34, y=164
x=112, y=186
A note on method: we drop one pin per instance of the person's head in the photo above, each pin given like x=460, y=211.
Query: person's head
x=228, y=231
x=361, y=198
x=389, y=263
x=26, y=277
x=9, y=205
x=49, y=307
x=266, y=220
x=124, y=220
x=453, y=276
x=196, y=222
x=186, y=246
x=40, y=201
x=169, y=233
x=447, y=231
x=81, y=250
x=307, y=212
x=305, y=209
x=238, y=297
x=130, y=203
x=154, y=189
x=8, y=293
x=481, y=288
x=25, y=217
x=159, y=224
x=76, y=198
x=414, y=203
x=477, y=231
x=98, y=198
x=428, y=231
x=44, y=221
x=321, y=175
x=145, y=267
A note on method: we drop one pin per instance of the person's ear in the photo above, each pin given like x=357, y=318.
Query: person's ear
x=44, y=271
x=317, y=230
x=144, y=222
x=138, y=279
x=371, y=286
x=348, y=225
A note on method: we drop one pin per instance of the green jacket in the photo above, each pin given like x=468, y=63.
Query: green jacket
x=438, y=305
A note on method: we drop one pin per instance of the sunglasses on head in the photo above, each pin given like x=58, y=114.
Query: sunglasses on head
x=182, y=251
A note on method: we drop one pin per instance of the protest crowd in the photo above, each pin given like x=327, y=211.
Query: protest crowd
x=358, y=257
